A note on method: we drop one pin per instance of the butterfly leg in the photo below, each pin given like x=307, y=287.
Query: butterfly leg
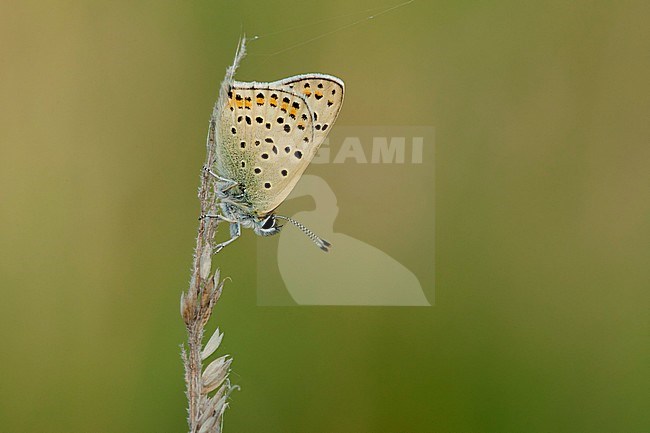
x=228, y=182
x=235, y=232
x=219, y=217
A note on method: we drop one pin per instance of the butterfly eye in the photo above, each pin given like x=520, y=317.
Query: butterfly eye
x=269, y=223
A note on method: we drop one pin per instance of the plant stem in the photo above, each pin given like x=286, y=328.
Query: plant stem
x=205, y=414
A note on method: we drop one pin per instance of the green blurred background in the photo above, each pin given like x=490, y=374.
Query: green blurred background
x=542, y=211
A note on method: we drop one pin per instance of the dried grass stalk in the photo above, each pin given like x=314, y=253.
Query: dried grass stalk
x=205, y=413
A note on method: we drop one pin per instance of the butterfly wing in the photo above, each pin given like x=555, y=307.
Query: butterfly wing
x=324, y=95
x=264, y=140
x=268, y=135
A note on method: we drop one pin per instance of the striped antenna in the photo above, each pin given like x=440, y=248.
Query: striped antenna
x=320, y=242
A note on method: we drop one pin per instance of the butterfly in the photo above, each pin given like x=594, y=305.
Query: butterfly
x=266, y=136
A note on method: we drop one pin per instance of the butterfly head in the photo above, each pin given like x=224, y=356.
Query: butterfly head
x=235, y=208
x=267, y=226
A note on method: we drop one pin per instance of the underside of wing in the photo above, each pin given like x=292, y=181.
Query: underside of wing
x=266, y=140
x=324, y=95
